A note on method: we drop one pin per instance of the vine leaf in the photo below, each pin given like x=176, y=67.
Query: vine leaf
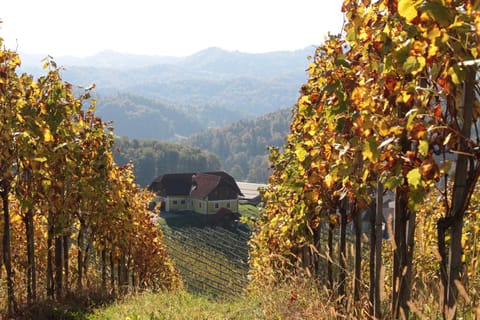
x=423, y=148
x=370, y=149
x=406, y=8
x=414, y=177
x=438, y=12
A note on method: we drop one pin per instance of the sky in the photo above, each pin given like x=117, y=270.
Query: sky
x=165, y=27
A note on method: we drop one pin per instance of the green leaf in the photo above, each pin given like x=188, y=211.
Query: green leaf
x=438, y=12
x=414, y=177
x=401, y=54
x=26, y=204
x=457, y=74
x=414, y=64
x=423, y=148
x=301, y=153
x=416, y=199
x=370, y=149
x=340, y=125
x=392, y=182
x=341, y=61
x=406, y=8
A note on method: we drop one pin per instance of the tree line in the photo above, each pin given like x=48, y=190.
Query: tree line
x=390, y=105
x=242, y=146
x=72, y=220
x=152, y=158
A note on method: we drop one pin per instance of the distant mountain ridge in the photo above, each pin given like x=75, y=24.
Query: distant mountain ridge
x=233, y=104
x=168, y=97
x=212, y=59
x=108, y=59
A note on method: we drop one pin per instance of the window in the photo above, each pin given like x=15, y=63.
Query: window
x=199, y=204
x=216, y=205
x=182, y=201
x=228, y=204
x=175, y=202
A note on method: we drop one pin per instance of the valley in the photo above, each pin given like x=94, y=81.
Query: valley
x=231, y=104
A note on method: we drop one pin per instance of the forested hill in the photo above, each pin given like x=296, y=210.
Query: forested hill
x=242, y=146
x=138, y=117
x=219, y=101
x=152, y=158
x=182, y=95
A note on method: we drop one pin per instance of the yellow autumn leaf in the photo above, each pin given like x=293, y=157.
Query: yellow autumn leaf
x=43, y=108
x=406, y=8
x=15, y=218
x=311, y=68
x=423, y=148
x=414, y=177
x=433, y=33
x=20, y=118
x=14, y=61
x=303, y=104
x=414, y=64
x=301, y=153
x=365, y=175
x=327, y=150
x=432, y=50
x=383, y=127
x=47, y=135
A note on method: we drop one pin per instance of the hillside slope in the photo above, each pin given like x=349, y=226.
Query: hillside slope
x=211, y=88
x=138, y=117
x=242, y=146
x=152, y=158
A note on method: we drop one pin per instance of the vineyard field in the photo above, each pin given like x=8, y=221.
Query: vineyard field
x=211, y=261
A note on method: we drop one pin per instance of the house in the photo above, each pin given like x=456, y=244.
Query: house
x=204, y=192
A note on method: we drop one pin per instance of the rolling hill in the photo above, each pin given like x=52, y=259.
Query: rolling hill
x=151, y=97
x=242, y=146
x=231, y=104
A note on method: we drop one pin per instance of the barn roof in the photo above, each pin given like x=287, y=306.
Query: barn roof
x=173, y=184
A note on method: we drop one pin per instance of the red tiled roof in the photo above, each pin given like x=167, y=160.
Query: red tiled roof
x=203, y=184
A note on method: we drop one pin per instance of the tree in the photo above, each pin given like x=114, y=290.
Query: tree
x=58, y=184
x=390, y=90
x=11, y=101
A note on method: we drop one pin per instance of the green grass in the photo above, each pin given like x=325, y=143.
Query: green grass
x=248, y=211
x=177, y=305
x=203, y=256
x=186, y=219
x=300, y=299
x=181, y=220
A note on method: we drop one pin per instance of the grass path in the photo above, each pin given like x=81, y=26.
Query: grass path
x=176, y=305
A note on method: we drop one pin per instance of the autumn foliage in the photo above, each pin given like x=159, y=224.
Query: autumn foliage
x=72, y=220
x=391, y=103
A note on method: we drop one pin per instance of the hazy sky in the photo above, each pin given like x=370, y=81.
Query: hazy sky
x=165, y=27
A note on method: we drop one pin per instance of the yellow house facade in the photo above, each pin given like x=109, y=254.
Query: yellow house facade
x=204, y=193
